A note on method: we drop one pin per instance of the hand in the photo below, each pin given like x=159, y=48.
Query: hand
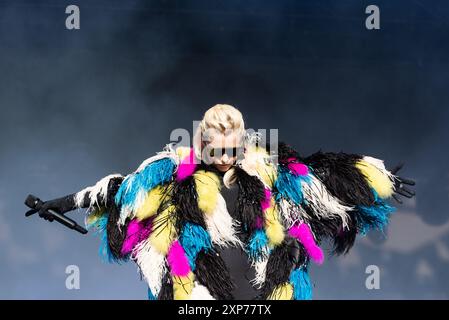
x=295, y=252
x=43, y=212
x=399, y=185
x=60, y=205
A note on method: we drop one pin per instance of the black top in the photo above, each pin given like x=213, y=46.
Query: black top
x=234, y=257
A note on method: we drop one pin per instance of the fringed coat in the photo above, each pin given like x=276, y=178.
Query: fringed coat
x=170, y=218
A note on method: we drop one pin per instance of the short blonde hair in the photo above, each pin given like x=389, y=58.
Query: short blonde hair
x=221, y=117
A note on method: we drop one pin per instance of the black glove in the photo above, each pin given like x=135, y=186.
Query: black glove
x=399, y=185
x=60, y=205
x=67, y=203
x=296, y=252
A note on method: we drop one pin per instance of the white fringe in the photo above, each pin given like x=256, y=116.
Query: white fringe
x=260, y=268
x=99, y=190
x=256, y=164
x=291, y=213
x=129, y=211
x=322, y=202
x=168, y=152
x=200, y=292
x=152, y=265
x=379, y=164
x=252, y=139
x=221, y=226
x=126, y=210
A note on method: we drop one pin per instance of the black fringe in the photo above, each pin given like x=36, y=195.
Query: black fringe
x=322, y=228
x=332, y=229
x=185, y=198
x=169, y=221
x=338, y=173
x=113, y=186
x=344, y=240
x=248, y=208
x=279, y=266
x=116, y=235
x=286, y=151
x=166, y=292
x=212, y=273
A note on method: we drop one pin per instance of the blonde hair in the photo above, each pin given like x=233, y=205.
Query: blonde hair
x=221, y=117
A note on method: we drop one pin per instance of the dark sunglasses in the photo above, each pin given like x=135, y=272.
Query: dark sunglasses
x=230, y=152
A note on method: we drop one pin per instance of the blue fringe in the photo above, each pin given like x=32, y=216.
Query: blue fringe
x=154, y=174
x=99, y=227
x=194, y=239
x=374, y=217
x=256, y=245
x=151, y=296
x=289, y=186
x=302, y=287
x=124, y=196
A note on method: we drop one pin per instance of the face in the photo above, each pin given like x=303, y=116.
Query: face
x=222, y=150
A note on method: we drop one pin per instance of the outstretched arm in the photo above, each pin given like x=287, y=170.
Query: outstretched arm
x=360, y=184
x=356, y=179
x=100, y=195
x=336, y=194
x=331, y=196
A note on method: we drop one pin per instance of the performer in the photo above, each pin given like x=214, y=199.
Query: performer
x=199, y=221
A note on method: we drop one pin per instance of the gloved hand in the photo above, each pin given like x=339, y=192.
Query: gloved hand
x=60, y=205
x=399, y=185
x=296, y=252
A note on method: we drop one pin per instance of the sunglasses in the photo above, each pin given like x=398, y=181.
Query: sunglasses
x=230, y=152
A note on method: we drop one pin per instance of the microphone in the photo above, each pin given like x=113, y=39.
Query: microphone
x=35, y=204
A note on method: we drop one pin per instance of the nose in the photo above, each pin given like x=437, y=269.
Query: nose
x=225, y=158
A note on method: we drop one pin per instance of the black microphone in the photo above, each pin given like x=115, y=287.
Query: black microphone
x=35, y=204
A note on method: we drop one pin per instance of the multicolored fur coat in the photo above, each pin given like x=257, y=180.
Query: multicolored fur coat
x=169, y=217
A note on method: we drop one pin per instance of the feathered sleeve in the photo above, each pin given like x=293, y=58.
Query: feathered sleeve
x=120, y=207
x=291, y=205
x=342, y=194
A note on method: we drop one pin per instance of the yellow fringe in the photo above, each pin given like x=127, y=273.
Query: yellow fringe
x=282, y=292
x=273, y=227
x=256, y=163
x=94, y=216
x=151, y=203
x=182, y=152
x=380, y=182
x=182, y=286
x=207, y=187
x=163, y=230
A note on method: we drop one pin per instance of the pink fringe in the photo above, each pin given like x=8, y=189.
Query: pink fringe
x=187, y=166
x=137, y=231
x=298, y=169
x=266, y=203
x=177, y=260
x=303, y=233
